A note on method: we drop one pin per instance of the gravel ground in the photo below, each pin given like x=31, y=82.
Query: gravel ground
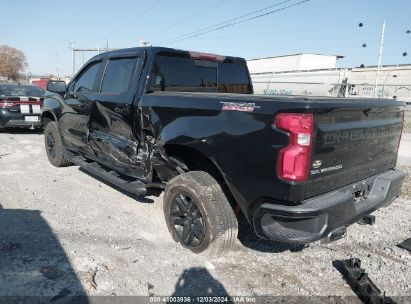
x=407, y=122
x=404, y=162
x=63, y=233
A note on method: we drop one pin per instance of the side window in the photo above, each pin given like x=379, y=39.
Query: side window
x=118, y=75
x=87, y=78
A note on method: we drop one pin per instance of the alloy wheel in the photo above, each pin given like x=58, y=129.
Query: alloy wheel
x=51, y=145
x=187, y=220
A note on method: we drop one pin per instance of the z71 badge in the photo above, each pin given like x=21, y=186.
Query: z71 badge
x=317, y=164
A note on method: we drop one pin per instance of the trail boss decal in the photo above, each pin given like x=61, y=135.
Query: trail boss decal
x=239, y=106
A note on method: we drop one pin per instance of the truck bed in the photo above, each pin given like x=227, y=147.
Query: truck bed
x=352, y=138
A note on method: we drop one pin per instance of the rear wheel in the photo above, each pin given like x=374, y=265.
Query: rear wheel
x=54, y=146
x=198, y=214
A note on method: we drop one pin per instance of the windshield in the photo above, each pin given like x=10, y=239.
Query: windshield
x=20, y=90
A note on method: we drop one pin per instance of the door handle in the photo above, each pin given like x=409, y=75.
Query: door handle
x=124, y=109
x=83, y=105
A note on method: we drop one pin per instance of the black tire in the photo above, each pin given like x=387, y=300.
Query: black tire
x=203, y=197
x=54, y=146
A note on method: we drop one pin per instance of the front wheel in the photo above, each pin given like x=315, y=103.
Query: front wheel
x=54, y=146
x=198, y=214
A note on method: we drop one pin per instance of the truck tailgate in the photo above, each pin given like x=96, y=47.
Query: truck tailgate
x=350, y=144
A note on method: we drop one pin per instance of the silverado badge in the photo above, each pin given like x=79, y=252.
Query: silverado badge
x=239, y=106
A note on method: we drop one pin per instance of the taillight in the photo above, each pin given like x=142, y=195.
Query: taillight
x=205, y=56
x=14, y=102
x=294, y=160
x=6, y=103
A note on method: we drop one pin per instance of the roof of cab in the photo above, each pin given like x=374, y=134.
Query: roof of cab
x=156, y=49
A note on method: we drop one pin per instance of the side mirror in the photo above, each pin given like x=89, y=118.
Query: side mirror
x=56, y=86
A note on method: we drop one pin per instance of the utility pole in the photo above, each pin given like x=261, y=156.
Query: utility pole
x=74, y=50
x=379, y=59
x=56, y=62
x=144, y=43
x=73, y=57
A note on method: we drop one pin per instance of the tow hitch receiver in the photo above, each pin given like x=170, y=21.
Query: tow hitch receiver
x=335, y=235
x=367, y=220
x=360, y=283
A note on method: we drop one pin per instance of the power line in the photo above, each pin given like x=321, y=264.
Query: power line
x=230, y=22
x=186, y=19
x=236, y=18
x=327, y=37
x=134, y=19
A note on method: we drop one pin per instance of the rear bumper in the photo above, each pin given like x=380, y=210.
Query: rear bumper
x=321, y=216
x=8, y=119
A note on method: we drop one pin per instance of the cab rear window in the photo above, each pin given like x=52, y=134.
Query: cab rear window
x=182, y=74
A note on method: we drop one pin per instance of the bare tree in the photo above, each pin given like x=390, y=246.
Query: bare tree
x=12, y=62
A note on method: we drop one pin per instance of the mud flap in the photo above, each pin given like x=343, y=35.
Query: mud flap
x=405, y=245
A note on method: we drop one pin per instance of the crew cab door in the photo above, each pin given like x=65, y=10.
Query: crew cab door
x=111, y=119
x=78, y=102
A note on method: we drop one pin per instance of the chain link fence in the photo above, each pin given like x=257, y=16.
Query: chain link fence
x=344, y=89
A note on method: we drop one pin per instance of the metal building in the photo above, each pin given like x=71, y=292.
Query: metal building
x=317, y=75
x=294, y=62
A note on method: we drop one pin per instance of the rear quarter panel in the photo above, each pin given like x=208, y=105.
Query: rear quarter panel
x=243, y=144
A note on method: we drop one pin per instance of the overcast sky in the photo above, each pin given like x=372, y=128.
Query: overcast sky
x=43, y=28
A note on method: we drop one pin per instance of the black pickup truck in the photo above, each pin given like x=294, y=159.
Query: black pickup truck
x=299, y=168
